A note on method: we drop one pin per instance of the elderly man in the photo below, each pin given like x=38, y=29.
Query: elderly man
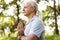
x=33, y=29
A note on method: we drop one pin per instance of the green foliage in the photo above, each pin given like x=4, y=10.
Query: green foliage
x=46, y=14
x=1, y=14
x=52, y=24
x=52, y=37
x=11, y=37
x=4, y=4
x=13, y=2
x=37, y=1
x=58, y=10
x=12, y=22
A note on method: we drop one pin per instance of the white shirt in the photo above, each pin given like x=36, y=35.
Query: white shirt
x=35, y=26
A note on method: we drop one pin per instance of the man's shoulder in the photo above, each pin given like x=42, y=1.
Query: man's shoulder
x=36, y=19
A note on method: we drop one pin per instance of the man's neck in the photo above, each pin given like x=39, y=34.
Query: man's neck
x=30, y=16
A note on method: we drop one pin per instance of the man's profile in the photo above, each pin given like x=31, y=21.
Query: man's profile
x=34, y=28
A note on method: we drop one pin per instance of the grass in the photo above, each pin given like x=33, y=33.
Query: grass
x=47, y=37
x=52, y=37
x=9, y=38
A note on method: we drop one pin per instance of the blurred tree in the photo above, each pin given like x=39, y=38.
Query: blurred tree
x=17, y=11
x=55, y=16
x=5, y=6
x=47, y=14
x=12, y=23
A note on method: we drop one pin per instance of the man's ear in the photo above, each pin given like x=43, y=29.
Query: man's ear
x=33, y=8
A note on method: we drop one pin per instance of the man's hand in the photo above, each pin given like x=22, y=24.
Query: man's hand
x=20, y=28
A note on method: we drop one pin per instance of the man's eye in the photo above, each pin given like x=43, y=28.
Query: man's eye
x=25, y=7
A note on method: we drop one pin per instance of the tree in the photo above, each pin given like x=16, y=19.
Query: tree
x=54, y=16
x=14, y=21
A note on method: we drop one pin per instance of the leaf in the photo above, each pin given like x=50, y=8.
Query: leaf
x=37, y=1
x=4, y=4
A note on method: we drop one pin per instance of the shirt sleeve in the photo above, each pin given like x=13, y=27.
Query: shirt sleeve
x=36, y=28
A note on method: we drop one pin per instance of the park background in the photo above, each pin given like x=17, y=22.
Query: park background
x=11, y=12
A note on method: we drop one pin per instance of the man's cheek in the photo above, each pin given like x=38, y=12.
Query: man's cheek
x=25, y=10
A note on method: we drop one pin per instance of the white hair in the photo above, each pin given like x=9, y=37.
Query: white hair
x=33, y=3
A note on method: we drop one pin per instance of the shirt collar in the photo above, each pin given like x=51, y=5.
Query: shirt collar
x=31, y=19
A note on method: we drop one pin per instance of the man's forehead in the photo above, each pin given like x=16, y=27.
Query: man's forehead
x=27, y=4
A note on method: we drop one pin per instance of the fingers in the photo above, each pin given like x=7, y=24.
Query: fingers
x=20, y=32
x=20, y=25
x=20, y=28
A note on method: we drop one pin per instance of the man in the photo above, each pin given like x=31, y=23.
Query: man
x=34, y=29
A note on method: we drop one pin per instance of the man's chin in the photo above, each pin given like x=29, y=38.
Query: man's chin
x=25, y=14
